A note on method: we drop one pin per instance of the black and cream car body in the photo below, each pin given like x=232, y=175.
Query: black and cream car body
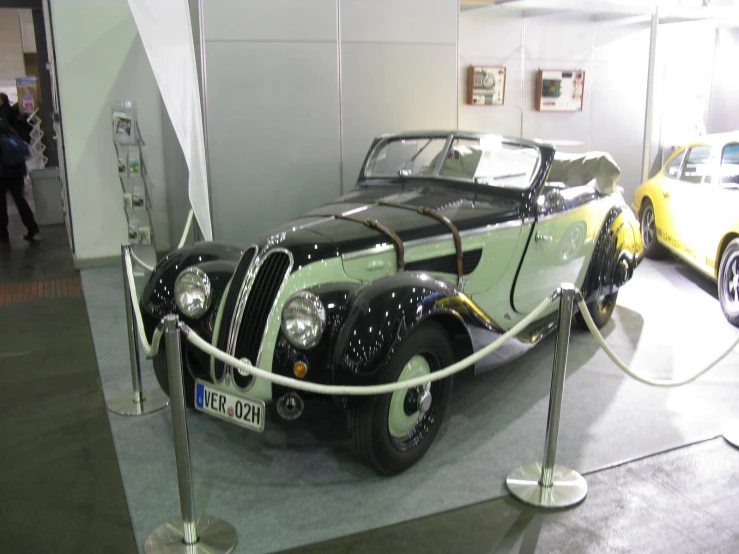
x=448, y=240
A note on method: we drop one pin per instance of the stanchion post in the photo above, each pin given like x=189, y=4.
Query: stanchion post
x=188, y=534
x=140, y=402
x=548, y=485
x=132, y=331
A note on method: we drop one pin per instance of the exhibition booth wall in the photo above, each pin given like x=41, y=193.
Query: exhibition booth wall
x=295, y=92
x=614, y=55
x=100, y=59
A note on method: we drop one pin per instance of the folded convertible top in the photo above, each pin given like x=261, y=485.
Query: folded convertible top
x=575, y=170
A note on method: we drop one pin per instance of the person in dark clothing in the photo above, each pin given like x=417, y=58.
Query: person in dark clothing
x=11, y=180
x=6, y=110
x=21, y=123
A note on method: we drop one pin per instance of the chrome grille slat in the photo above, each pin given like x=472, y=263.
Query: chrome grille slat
x=257, y=296
x=231, y=302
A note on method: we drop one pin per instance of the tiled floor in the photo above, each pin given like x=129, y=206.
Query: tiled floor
x=60, y=489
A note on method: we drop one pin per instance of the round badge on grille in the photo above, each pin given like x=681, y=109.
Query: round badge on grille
x=243, y=372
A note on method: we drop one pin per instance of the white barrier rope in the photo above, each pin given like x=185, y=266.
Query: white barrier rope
x=149, y=349
x=211, y=350
x=654, y=382
x=186, y=232
x=152, y=349
x=183, y=240
x=141, y=262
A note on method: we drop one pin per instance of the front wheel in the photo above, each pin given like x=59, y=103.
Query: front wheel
x=392, y=432
x=728, y=282
x=600, y=309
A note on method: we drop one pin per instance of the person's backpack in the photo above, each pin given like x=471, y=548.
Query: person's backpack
x=13, y=151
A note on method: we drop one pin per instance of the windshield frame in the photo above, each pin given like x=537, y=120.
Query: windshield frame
x=450, y=137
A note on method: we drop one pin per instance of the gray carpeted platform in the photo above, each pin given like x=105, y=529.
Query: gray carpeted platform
x=291, y=486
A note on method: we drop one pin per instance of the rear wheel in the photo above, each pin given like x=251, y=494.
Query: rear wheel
x=162, y=375
x=600, y=309
x=728, y=282
x=647, y=222
x=392, y=432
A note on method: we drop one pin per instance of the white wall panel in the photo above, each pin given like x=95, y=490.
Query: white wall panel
x=100, y=59
x=724, y=115
x=560, y=37
x=614, y=56
x=485, y=33
x=273, y=133
x=619, y=99
x=407, y=21
x=486, y=38
x=270, y=20
x=394, y=87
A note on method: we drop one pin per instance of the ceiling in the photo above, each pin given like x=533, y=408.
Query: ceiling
x=725, y=11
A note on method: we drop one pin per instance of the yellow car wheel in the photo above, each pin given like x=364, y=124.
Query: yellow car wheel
x=728, y=282
x=648, y=224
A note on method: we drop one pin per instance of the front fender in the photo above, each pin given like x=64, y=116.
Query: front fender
x=385, y=311
x=217, y=260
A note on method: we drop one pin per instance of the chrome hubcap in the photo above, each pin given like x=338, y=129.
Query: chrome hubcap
x=648, y=227
x=732, y=281
x=417, y=400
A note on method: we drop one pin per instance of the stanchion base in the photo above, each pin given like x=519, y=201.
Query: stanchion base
x=215, y=536
x=568, y=489
x=124, y=404
x=731, y=434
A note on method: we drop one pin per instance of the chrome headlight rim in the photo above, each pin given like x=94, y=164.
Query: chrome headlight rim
x=207, y=292
x=320, y=316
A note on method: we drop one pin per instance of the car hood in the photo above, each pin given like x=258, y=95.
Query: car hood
x=319, y=234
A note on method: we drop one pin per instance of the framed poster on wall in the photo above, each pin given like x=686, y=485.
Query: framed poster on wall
x=560, y=90
x=486, y=85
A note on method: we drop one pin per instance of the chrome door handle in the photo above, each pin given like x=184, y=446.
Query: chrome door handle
x=540, y=237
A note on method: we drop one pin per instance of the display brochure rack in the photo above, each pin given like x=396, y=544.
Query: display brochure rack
x=134, y=178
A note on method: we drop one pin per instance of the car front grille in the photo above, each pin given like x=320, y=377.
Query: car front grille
x=230, y=306
x=254, y=293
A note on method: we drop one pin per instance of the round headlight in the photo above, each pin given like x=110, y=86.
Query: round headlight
x=192, y=292
x=303, y=320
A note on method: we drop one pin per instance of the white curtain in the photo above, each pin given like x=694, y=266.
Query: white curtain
x=166, y=32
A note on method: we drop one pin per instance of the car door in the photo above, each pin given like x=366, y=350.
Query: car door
x=662, y=199
x=560, y=249
x=723, y=207
x=692, y=200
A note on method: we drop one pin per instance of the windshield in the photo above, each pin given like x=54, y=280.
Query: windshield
x=405, y=157
x=487, y=160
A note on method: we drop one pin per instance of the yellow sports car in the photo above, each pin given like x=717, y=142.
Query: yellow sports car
x=691, y=208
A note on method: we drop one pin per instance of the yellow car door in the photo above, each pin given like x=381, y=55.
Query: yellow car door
x=662, y=200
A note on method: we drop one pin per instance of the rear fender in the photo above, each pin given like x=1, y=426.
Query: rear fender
x=618, y=250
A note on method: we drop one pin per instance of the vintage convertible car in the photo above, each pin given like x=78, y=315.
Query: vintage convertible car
x=447, y=240
x=691, y=208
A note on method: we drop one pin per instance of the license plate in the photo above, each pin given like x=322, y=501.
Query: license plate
x=245, y=412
